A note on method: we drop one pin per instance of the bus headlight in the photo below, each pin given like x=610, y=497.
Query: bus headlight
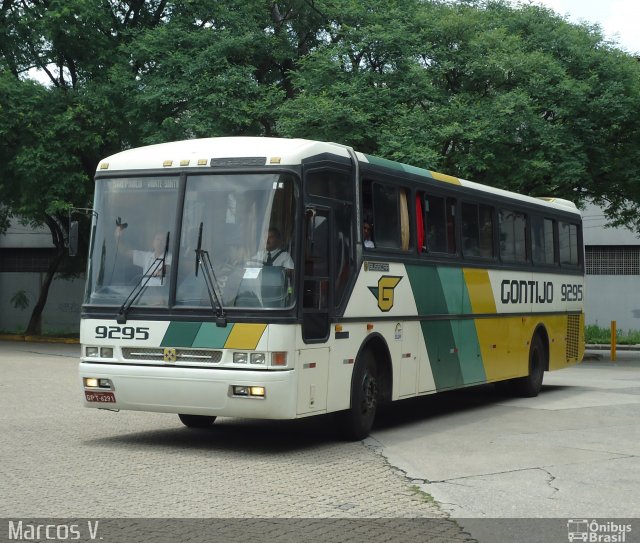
x=240, y=358
x=95, y=382
x=257, y=358
x=256, y=391
x=101, y=352
x=245, y=391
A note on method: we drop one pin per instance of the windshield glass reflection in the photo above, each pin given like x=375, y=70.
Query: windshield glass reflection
x=135, y=216
x=248, y=230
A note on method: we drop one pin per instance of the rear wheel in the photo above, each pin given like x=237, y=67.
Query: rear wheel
x=197, y=421
x=358, y=420
x=529, y=386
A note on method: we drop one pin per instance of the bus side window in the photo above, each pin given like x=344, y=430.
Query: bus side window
x=437, y=225
x=470, y=230
x=386, y=210
x=451, y=226
x=568, y=243
x=391, y=228
x=477, y=230
x=513, y=234
x=542, y=241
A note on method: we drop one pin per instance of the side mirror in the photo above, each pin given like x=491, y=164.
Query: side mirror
x=73, y=238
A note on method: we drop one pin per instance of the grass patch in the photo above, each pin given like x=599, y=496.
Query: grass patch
x=595, y=334
x=422, y=495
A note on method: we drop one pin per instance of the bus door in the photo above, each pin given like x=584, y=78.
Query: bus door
x=317, y=272
x=313, y=361
x=328, y=271
x=329, y=256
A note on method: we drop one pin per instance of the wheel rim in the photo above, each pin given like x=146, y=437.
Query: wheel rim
x=369, y=393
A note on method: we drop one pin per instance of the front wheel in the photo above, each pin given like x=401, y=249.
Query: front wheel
x=358, y=420
x=196, y=421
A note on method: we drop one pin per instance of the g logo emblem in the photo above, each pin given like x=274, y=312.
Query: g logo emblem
x=169, y=355
x=384, y=292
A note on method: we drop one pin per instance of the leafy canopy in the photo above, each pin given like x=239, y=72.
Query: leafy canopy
x=515, y=97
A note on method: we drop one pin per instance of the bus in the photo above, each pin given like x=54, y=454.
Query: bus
x=232, y=277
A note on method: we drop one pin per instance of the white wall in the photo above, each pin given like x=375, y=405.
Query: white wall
x=20, y=236
x=596, y=233
x=60, y=315
x=610, y=297
x=613, y=297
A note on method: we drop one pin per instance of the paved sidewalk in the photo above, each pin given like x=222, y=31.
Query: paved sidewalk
x=58, y=459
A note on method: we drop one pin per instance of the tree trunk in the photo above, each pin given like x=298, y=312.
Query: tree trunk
x=35, y=322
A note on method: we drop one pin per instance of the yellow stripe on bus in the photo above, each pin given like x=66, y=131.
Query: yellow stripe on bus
x=446, y=178
x=480, y=292
x=245, y=336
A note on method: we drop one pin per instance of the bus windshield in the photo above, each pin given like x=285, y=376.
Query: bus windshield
x=245, y=223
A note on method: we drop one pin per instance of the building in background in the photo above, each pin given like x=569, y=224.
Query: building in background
x=612, y=259
x=25, y=253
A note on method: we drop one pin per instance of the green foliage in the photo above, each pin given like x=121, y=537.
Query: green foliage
x=597, y=335
x=515, y=97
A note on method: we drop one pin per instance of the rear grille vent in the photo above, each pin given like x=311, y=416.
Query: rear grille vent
x=182, y=355
x=573, y=337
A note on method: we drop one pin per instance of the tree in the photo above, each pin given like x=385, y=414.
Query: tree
x=515, y=97
x=53, y=135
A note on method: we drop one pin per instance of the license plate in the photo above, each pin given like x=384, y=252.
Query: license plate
x=100, y=397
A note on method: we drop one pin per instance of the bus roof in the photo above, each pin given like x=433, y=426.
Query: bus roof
x=279, y=151
x=200, y=152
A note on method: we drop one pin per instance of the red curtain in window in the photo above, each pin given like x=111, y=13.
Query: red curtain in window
x=420, y=223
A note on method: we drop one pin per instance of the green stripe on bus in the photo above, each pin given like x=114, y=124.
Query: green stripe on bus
x=211, y=336
x=445, y=365
x=180, y=334
x=452, y=345
x=385, y=163
x=455, y=292
x=469, y=353
x=427, y=290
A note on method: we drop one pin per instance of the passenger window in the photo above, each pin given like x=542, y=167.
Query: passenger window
x=477, y=230
x=386, y=207
x=542, y=241
x=440, y=224
x=330, y=184
x=513, y=230
x=568, y=243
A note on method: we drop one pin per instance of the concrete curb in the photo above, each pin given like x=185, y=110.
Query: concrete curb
x=38, y=339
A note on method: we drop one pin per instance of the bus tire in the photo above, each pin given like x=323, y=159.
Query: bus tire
x=529, y=386
x=197, y=421
x=358, y=420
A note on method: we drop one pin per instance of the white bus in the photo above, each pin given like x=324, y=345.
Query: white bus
x=186, y=312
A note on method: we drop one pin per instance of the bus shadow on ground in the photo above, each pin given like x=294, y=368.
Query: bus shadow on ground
x=444, y=404
x=273, y=437
x=234, y=435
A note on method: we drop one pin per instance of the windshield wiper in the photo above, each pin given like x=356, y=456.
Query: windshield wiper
x=204, y=261
x=138, y=288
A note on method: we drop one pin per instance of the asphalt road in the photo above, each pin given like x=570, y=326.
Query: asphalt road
x=573, y=452
x=570, y=453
